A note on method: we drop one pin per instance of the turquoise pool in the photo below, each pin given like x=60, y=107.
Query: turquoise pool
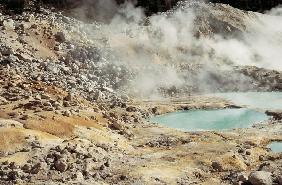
x=276, y=146
x=211, y=119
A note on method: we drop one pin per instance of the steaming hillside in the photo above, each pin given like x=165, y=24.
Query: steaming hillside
x=195, y=47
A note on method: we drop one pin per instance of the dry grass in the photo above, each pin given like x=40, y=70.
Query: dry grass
x=233, y=162
x=19, y=158
x=11, y=139
x=62, y=127
x=52, y=90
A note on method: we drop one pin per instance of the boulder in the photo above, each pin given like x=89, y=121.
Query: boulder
x=260, y=178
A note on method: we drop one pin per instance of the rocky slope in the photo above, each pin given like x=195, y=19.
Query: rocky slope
x=68, y=114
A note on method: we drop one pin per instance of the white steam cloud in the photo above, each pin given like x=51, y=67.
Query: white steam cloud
x=157, y=44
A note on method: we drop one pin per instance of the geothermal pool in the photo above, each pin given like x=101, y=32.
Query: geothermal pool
x=211, y=119
x=226, y=118
x=276, y=146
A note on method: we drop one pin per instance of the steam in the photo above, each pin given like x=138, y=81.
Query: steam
x=99, y=10
x=260, y=46
x=157, y=46
x=266, y=42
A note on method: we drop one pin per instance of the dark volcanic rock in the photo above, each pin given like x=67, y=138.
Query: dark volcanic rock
x=274, y=114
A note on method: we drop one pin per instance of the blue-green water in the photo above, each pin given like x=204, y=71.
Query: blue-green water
x=276, y=146
x=256, y=100
x=211, y=119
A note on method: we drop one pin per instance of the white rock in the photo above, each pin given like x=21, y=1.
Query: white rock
x=8, y=24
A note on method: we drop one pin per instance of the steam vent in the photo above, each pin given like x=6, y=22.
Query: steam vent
x=156, y=92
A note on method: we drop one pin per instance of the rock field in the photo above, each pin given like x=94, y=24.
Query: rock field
x=68, y=115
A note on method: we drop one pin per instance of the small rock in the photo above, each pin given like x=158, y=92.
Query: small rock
x=241, y=150
x=45, y=96
x=107, y=164
x=26, y=168
x=30, y=18
x=3, y=100
x=66, y=104
x=78, y=177
x=122, y=177
x=6, y=51
x=243, y=178
x=102, y=167
x=25, y=150
x=60, y=37
x=36, y=168
x=280, y=179
x=261, y=157
x=24, y=57
x=5, y=163
x=117, y=125
x=131, y=109
x=217, y=166
x=13, y=114
x=248, y=152
x=67, y=113
x=57, y=48
x=24, y=117
x=13, y=166
x=69, y=97
x=93, y=117
x=13, y=175
x=61, y=165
